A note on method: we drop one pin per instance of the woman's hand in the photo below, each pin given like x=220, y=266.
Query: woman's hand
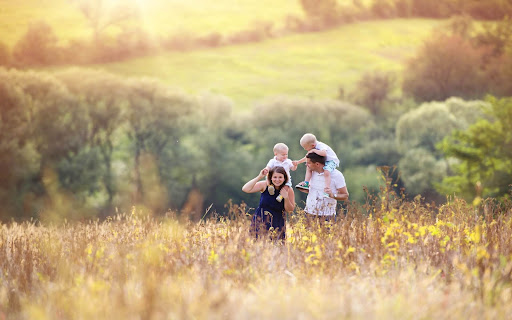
x=289, y=198
x=255, y=186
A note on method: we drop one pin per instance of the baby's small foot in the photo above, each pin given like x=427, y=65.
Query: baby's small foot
x=303, y=185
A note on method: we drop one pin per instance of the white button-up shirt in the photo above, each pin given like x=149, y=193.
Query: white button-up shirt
x=317, y=203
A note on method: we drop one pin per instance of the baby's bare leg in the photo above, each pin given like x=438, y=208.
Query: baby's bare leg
x=308, y=174
x=327, y=176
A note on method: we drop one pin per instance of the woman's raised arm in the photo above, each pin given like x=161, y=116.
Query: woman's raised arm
x=255, y=186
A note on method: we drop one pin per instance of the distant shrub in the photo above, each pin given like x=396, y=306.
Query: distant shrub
x=38, y=46
x=427, y=125
x=383, y=9
x=403, y=8
x=497, y=36
x=324, y=11
x=134, y=42
x=179, y=41
x=258, y=32
x=213, y=39
x=421, y=171
x=5, y=55
x=373, y=89
x=380, y=151
x=431, y=9
x=489, y=9
x=498, y=75
x=296, y=24
x=461, y=60
x=446, y=66
x=77, y=52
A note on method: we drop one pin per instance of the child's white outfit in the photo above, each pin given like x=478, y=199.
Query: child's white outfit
x=331, y=160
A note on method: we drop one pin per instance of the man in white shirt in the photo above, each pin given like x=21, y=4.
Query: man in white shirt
x=318, y=203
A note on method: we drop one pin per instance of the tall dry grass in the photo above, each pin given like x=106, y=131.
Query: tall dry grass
x=388, y=259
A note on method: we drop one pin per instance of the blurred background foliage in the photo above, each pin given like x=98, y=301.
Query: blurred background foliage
x=89, y=143
x=114, y=141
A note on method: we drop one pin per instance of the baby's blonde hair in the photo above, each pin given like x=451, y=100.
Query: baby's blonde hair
x=280, y=147
x=307, y=139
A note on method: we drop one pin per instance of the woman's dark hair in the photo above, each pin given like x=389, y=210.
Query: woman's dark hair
x=277, y=170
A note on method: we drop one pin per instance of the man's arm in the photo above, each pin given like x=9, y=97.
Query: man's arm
x=340, y=194
x=303, y=190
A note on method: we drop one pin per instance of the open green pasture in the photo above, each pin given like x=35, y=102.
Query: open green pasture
x=307, y=65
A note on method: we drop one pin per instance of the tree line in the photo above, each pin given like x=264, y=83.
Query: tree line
x=40, y=46
x=83, y=142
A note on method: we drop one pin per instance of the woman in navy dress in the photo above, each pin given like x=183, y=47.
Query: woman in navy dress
x=276, y=198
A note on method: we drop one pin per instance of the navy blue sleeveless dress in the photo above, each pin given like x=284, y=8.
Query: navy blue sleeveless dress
x=270, y=213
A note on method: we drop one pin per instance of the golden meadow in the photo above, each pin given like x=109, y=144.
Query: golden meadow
x=389, y=258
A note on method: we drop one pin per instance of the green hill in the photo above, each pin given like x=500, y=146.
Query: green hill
x=308, y=65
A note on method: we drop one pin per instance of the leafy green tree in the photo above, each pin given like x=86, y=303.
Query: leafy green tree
x=154, y=115
x=381, y=151
x=50, y=127
x=484, y=154
x=421, y=170
x=18, y=159
x=221, y=160
x=102, y=97
x=420, y=130
x=59, y=132
x=428, y=124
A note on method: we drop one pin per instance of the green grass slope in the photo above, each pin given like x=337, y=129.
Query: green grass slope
x=307, y=65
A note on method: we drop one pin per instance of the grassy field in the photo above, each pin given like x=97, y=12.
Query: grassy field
x=307, y=65
x=402, y=261
x=159, y=17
